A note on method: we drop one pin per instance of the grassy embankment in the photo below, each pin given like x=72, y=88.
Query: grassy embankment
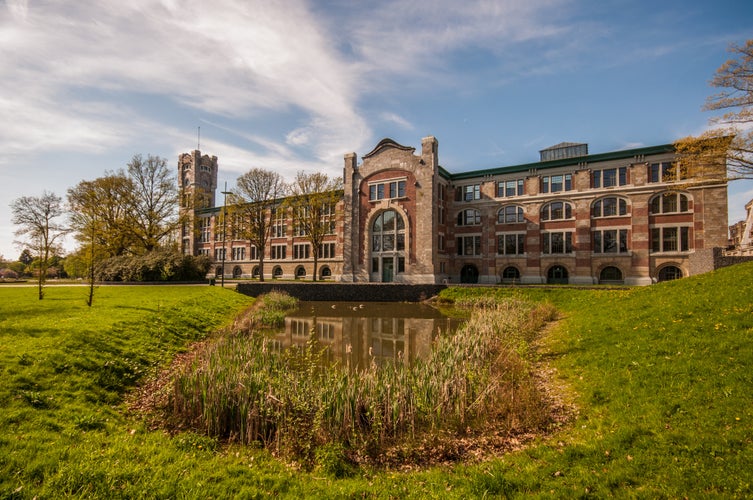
x=661, y=377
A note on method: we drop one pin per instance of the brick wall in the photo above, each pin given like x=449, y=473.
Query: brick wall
x=365, y=292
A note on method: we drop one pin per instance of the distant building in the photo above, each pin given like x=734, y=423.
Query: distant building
x=741, y=233
x=629, y=217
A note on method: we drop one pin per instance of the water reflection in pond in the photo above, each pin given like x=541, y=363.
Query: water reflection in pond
x=355, y=334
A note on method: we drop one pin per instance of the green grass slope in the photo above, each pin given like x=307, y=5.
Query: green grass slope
x=661, y=377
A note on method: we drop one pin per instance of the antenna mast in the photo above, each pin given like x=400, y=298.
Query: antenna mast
x=198, y=141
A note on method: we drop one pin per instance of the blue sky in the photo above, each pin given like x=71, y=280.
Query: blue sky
x=294, y=85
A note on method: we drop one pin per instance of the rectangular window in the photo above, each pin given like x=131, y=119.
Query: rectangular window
x=469, y=245
x=301, y=251
x=511, y=244
x=375, y=265
x=387, y=189
x=610, y=177
x=327, y=251
x=278, y=252
x=556, y=183
x=557, y=242
x=279, y=225
x=401, y=264
x=239, y=253
x=670, y=239
x=664, y=172
x=610, y=241
x=510, y=188
x=205, y=228
x=253, y=253
x=219, y=254
x=472, y=192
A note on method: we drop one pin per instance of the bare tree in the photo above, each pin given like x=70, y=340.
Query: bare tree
x=313, y=201
x=251, y=203
x=732, y=141
x=39, y=228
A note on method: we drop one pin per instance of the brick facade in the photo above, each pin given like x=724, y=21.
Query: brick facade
x=619, y=217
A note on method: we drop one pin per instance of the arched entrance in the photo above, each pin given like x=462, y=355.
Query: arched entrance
x=511, y=274
x=387, y=246
x=557, y=275
x=469, y=274
x=611, y=275
x=669, y=273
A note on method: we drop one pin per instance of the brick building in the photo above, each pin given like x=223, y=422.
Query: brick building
x=629, y=216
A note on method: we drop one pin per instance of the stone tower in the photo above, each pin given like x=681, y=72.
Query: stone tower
x=197, y=182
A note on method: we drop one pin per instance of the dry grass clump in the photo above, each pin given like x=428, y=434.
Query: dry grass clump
x=242, y=390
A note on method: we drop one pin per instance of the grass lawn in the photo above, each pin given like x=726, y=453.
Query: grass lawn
x=661, y=377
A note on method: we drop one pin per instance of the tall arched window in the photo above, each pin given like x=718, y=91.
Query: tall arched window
x=387, y=246
x=510, y=215
x=667, y=203
x=609, y=207
x=556, y=210
x=469, y=217
x=388, y=232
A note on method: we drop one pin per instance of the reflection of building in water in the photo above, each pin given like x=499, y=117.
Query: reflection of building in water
x=358, y=338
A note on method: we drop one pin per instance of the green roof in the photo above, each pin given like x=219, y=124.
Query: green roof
x=542, y=165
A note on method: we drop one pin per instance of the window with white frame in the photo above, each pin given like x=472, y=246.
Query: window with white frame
x=510, y=214
x=469, y=245
x=327, y=251
x=389, y=189
x=556, y=183
x=278, y=252
x=253, y=253
x=205, y=229
x=388, y=232
x=279, y=224
x=665, y=172
x=469, y=217
x=299, y=224
x=556, y=210
x=328, y=217
x=511, y=243
x=609, y=207
x=670, y=239
x=667, y=203
x=610, y=177
x=219, y=254
x=301, y=250
x=470, y=192
x=239, y=253
x=557, y=242
x=513, y=187
x=610, y=241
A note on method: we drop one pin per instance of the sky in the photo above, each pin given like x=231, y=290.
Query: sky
x=295, y=85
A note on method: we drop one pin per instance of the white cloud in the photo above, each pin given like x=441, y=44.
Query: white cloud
x=397, y=120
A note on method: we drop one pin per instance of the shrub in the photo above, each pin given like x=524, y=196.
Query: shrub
x=158, y=265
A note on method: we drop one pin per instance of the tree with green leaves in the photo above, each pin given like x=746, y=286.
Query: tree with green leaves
x=153, y=214
x=40, y=228
x=313, y=204
x=731, y=143
x=99, y=214
x=26, y=258
x=252, y=204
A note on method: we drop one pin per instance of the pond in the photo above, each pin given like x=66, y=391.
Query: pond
x=356, y=334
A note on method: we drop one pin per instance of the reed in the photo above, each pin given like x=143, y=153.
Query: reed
x=241, y=390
